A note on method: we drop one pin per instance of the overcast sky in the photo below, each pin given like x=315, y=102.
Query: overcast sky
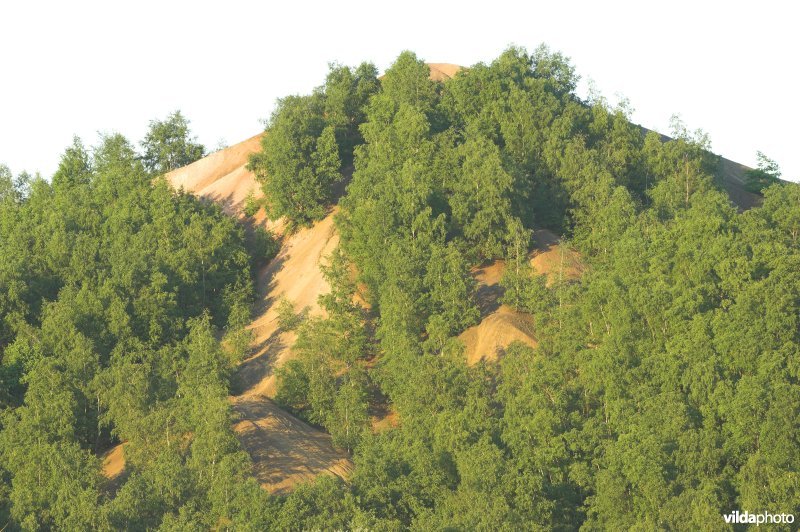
x=86, y=67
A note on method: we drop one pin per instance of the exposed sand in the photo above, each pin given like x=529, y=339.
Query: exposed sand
x=440, y=71
x=501, y=325
x=489, y=339
x=114, y=461
x=294, y=274
x=284, y=449
x=443, y=71
x=556, y=261
x=733, y=180
x=222, y=176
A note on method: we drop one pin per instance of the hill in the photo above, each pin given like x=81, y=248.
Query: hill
x=443, y=71
x=481, y=372
x=284, y=449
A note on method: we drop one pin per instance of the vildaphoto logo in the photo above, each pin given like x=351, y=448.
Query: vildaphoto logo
x=764, y=518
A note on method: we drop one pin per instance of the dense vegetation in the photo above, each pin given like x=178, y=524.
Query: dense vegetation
x=113, y=291
x=663, y=393
x=311, y=139
x=664, y=389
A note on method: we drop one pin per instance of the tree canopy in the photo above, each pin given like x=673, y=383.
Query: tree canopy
x=168, y=145
x=663, y=391
x=114, y=290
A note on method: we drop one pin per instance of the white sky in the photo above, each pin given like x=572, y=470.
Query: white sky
x=82, y=67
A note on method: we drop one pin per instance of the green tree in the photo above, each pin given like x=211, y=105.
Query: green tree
x=168, y=145
x=54, y=481
x=481, y=200
x=8, y=191
x=103, y=277
x=347, y=93
x=781, y=209
x=408, y=82
x=74, y=167
x=298, y=164
x=767, y=173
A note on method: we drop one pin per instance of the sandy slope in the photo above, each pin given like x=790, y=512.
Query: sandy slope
x=489, y=339
x=222, y=176
x=549, y=257
x=500, y=324
x=440, y=71
x=284, y=449
x=294, y=274
x=114, y=461
x=734, y=177
x=443, y=71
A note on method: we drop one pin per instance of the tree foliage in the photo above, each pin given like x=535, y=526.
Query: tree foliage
x=113, y=289
x=662, y=394
x=765, y=174
x=168, y=145
x=309, y=139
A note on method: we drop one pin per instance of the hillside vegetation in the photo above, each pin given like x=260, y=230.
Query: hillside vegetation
x=114, y=291
x=655, y=385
